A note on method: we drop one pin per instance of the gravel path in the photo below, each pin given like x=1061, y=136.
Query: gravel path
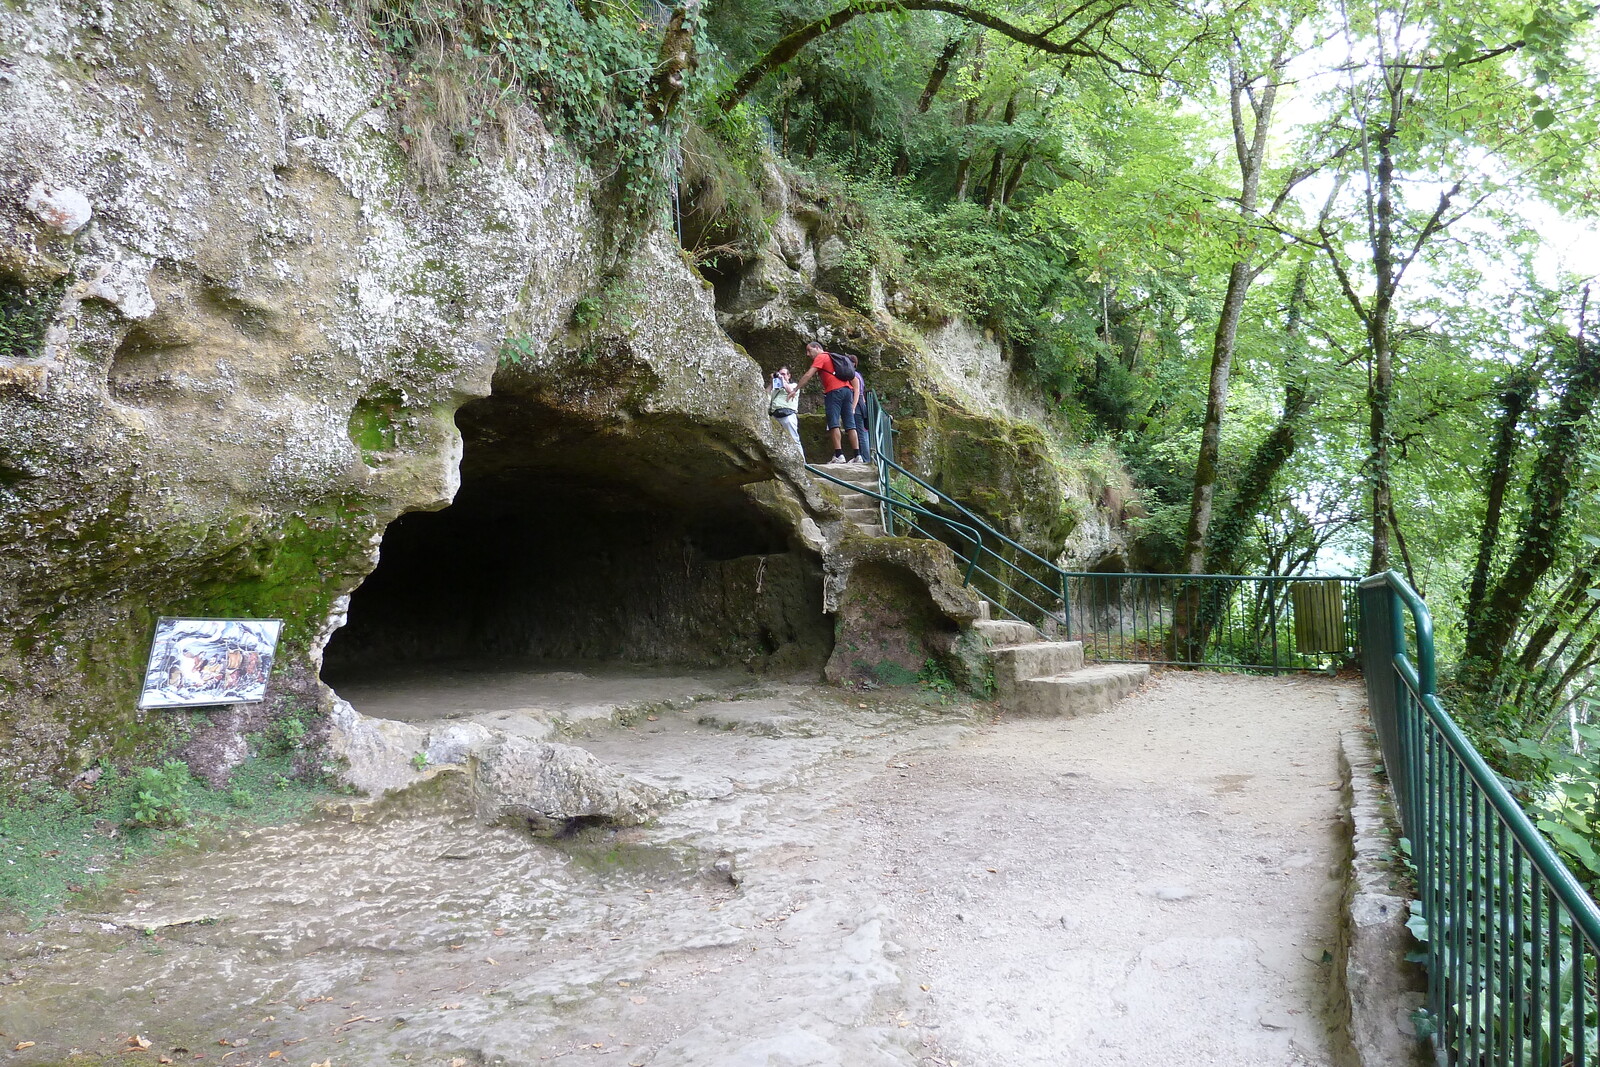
x=844, y=879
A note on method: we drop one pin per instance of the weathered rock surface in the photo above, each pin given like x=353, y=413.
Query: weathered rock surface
x=542, y=786
x=967, y=421
x=856, y=879
x=255, y=330
x=899, y=602
x=254, y=354
x=1381, y=986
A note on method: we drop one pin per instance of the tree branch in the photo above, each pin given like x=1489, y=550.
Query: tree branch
x=790, y=46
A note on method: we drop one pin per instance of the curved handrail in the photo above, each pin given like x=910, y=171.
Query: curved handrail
x=1421, y=675
x=977, y=541
x=881, y=430
x=1422, y=621
x=966, y=513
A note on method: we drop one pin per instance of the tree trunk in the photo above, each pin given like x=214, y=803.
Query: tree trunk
x=676, y=60
x=941, y=70
x=1228, y=533
x=1380, y=382
x=969, y=115
x=1514, y=400
x=1549, y=486
x=1250, y=148
x=1559, y=612
x=936, y=77
x=991, y=192
x=1008, y=188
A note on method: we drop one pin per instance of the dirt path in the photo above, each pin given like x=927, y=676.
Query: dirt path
x=842, y=880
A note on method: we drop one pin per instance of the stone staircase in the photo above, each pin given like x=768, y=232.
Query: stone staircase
x=1039, y=677
x=1032, y=675
x=860, y=509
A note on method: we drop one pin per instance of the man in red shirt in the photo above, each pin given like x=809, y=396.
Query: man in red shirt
x=839, y=399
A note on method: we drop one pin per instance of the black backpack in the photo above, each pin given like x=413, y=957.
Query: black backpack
x=844, y=368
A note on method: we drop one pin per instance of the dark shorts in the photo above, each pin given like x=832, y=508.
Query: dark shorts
x=863, y=433
x=837, y=404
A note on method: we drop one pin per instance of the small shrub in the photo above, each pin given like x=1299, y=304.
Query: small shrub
x=934, y=676
x=25, y=314
x=420, y=761
x=161, y=797
x=286, y=735
x=514, y=350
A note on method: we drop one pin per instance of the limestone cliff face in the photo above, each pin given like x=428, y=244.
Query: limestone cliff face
x=247, y=359
x=968, y=422
x=237, y=336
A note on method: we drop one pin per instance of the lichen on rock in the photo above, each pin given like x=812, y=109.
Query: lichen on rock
x=255, y=328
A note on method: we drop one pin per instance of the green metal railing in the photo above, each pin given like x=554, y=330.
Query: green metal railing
x=1249, y=622
x=1512, y=938
x=1255, y=622
x=974, y=551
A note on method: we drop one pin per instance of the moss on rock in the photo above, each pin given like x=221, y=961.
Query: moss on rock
x=898, y=604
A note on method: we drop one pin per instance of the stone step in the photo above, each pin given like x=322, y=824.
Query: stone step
x=1015, y=664
x=1079, y=693
x=859, y=473
x=854, y=501
x=985, y=611
x=871, y=531
x=1003, y=631
x=863, y=515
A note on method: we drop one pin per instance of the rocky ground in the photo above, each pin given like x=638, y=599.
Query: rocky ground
x=839, y=879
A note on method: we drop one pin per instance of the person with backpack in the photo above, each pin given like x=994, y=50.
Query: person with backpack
x=782, y=404
x=863, y=433
x=839, y=398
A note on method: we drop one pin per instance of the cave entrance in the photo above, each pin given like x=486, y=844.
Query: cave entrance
x=576, y=546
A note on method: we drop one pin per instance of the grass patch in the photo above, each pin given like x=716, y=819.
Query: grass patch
x=54, y=843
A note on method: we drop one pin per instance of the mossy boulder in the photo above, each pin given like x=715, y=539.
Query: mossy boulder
x=898, y=603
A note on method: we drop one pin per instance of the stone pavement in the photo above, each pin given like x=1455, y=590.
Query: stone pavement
x=837, y=878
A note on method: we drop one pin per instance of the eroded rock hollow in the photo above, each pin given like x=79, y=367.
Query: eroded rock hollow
x=255, y=366
x=571, y=541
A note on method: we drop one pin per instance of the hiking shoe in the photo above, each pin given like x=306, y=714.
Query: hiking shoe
x=837, y=459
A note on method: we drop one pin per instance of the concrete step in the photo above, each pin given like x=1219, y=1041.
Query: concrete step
x=1079, y=693
x=1003, y=632
x=1015, y=664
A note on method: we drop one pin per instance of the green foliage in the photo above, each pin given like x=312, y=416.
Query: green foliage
x=25, y=314
x=587, y=69
x=723, y=212
x=1564, y=798
x=55, y=842
x=419, y=761
x=586, y=313
x=887, y=672
x=514, y=350
x=161, y=797
x=960, y=259
x=935, y=676
x=283, y=736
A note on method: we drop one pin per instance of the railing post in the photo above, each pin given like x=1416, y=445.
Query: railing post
x=1066, y=607
x=1272, y=622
